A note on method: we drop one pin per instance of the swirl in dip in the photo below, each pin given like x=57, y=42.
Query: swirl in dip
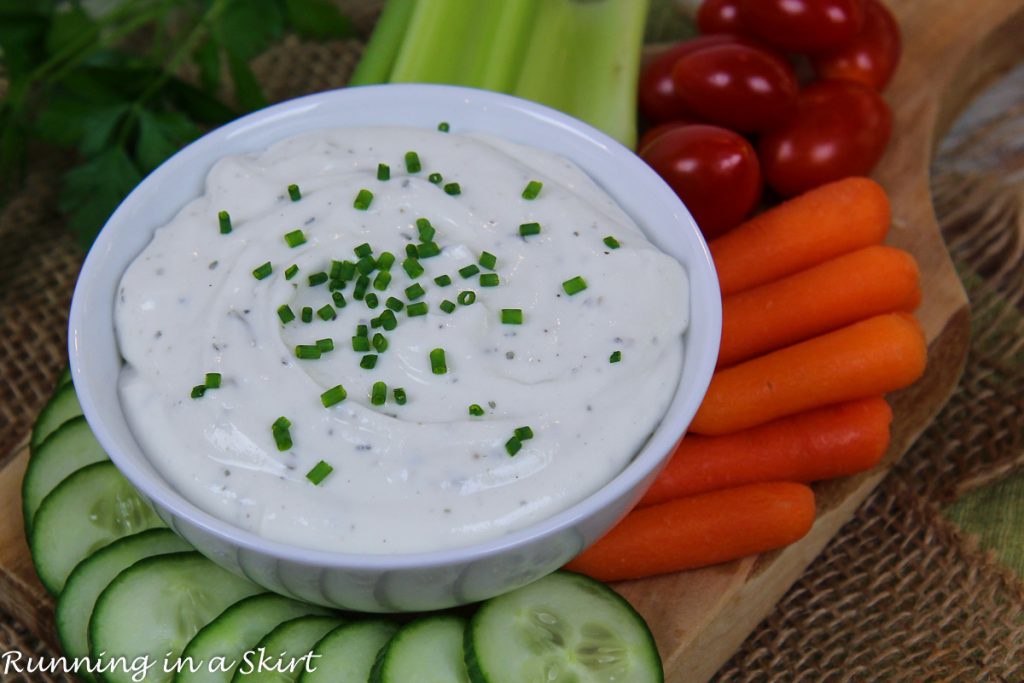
x=590, y=369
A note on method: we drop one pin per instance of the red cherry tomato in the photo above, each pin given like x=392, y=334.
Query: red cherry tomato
x=839, y=129
x=652, y=134
x=803, y=25
x=719, y=16
x=713, y=170
x=657, y=94
x=740, y=87
x=873, y=55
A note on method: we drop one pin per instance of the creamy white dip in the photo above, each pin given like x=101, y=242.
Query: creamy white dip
x=426, y=475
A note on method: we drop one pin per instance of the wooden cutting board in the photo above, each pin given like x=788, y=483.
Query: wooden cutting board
x=699, y=618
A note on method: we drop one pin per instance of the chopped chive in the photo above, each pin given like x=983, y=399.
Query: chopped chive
x=447, y=306
x=412, y=267
x=488, y=260
x=425, y=229
x=262, y=271
x=326, y=312
x=416, y=309
x=282, y=437
x=346, y=270
x=285, y=313
x=527, y=229
x=212, y=380
x=469, y=271
x=443, y=127
x=475, y=410
x=361, y=331
x=317, y=279
x=326, y=344
x=611, y=242
x=489, y=280
x=362, y=250
x=379, y=393
x=371, y=301
x=452, y=189
x=512, y=316
x=412, y=162
x=574, y=285
x=362, y=284
x=198, y=391
x=380, y=342
x=334, y=285
x=394, y=304
x=294, y=238
x=385, y=260
x=381, y=282
x=400, y=397
x=225, y=222
x=532, y=189
x=435, y=178
x=366, y=265
x=388, y=320
x=466, y=297
x=293, y=192
x=363, y=200
x=438, y=365
x=442, y=280
x=513, y=446
x=307, y=314
x=360, y=344
x=383, y=172
x=368, y=362
x=411, y=251
x=319, y=472
x=339, y=300
x=414, y=291
x=290, y=272
x=524, y=433
x=307, y=351
x=427, y=249
x=281, y=423
x=615, y=357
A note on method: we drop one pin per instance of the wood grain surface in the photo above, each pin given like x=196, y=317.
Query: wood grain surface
x=699, y=618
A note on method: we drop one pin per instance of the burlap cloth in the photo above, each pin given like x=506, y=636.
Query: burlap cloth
x=899, y=594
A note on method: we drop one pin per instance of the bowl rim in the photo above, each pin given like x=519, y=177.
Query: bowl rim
x=643, y=463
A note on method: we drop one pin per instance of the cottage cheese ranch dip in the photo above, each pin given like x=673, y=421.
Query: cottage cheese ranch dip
x=390, y=340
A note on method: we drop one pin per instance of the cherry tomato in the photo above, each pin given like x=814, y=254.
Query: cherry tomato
x=839, y=129
x=803, y=25
x=719, y=16
x=656, y=92
x=652, y=134
x=873, y=55
x=713, y=170
x=740, y=87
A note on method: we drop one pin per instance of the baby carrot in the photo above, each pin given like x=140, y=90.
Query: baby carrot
x=816, y=226
x=848, y=288
x=834, y=441
x=868, y=358
x=700, y=530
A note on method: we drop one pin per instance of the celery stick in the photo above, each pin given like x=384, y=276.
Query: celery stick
x=501, y=45
x=433, y=50
x=380, y=52
x=584, y=59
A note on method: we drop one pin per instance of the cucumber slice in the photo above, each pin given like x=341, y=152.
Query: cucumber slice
x=287, y=647
x=564, y=627
x=348, y=652
x=95, y=573
x=153, y=608
x=218, y=648
x=71, y=447
x=85, y=512
x=63, y=406
x=428, y=650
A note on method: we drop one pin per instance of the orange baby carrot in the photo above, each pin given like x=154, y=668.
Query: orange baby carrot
x=825, y=297
x=700, y=530
x=818, y=225
x=834, y=441
x=868, y=358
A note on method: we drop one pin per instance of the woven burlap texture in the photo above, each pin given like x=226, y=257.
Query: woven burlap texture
x=899, y=594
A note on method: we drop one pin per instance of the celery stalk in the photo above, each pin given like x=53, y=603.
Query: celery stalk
x=434, y=48
x=380, y=52
x=497, y=55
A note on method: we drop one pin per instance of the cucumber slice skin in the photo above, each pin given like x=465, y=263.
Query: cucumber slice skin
x=426, y=650
x=86, y=511
x=563, y=627
x=68, y=449
x=152, y=609
x=236, y=631
x=95, y=573
x=287, y=645
x=62, y=406
x=349, y=652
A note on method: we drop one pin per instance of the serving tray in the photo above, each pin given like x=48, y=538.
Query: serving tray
x=699, y=618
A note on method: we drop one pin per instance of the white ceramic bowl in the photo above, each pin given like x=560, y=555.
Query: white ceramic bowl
x=403, y=582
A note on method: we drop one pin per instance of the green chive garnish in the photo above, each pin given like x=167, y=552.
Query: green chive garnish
x=319, y=472
x=346, y=270
x=339, y=299
x=307, y=351
x=366, y=265
x=469, y=271
x=611, y=242
x=475, y=410
x=488, y=260
x=371, y=301
x=379, y=393
x=615, y=357
x=435, y=178
x=437, y=362
x=394, y=304
x=225, y=222
x=368, y=362
x=489, y=280
x=412, y=267
x=293, y=192
x=383, y=172
x=285, y=313
x=362, y=250
x=443, y=127
x=294, y=238
x=361, y=331
x=532, y=189
x=385, y=260
x=452, y=189
x=442, y=280
x=307, y=314
x=466, y=297
x=412, y=162
x=414, y=291
x=447, y=306
x=411, y=251
x=360, y=344
x=212, y=380
x=326, y=312
x=263, y=271
x=326, y=344
x=512, y=316
x=524, y=433
x=363, y=200
x=513, y=446
x=198, y=391
x=574, y=285
x=380, y=342
x=290, y=272
x=282, y=437
x=388, y=320
x=400, y=397
x=362, y=284
x=317, y=279
x=381, y=282
x=427, y=249
x=333, y=396
x=416, y=309
x=425, y=229
x=527, y=229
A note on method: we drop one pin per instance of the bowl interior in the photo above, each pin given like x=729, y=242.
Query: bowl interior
x=96, y=362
